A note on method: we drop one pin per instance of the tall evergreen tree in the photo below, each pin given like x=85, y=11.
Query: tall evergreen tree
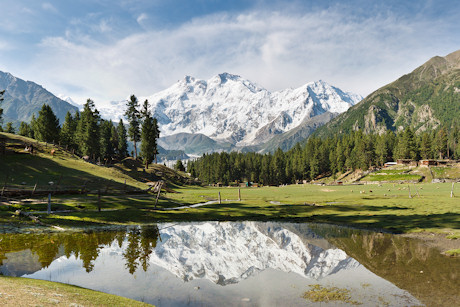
x=24, y=129
x=133, y=116
x=88, y=133
x=33, y=127
x=425, y=146
x=114, y=139
x=381, y=149
x=1, y=110
x=148, y=135
x=107, y=149
x=47, y=125
x=68, y=130
x=122, y=148
x=156, y=134
x=9, y=128
x=440, y=143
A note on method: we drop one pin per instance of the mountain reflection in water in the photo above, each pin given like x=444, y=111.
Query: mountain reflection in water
x=248, y=258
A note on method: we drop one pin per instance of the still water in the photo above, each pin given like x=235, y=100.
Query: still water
x=238, y=264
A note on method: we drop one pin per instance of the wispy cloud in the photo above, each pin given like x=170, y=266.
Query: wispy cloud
x=49, y=7
x=142, y=18
x=275, y=49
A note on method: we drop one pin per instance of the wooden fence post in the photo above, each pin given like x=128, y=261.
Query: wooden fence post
x=35, y=188
x=239, y=194
x=220, y=201
x=49, y=203
x=452, y=190
x=158, y=194
x=409, y=191
x=99, y=200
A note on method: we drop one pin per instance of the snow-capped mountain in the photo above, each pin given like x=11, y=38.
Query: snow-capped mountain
x=232, y=109
x=226, y=252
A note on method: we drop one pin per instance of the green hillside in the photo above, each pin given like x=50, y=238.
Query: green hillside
x=424, y=99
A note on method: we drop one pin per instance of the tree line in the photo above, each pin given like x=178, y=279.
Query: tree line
x=327, y=156
x=87, y=134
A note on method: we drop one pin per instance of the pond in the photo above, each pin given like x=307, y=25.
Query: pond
x=238, y=264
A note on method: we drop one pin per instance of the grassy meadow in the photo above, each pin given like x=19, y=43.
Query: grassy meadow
x=397, y=207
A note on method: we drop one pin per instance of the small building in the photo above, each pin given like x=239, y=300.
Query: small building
x=409, y=162
x=388, y=164
x=428, y=162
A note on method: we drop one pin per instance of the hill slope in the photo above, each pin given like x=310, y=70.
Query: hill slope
x=424, y=99
x=24, y=98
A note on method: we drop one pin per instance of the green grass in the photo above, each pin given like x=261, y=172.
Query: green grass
x=446, y=172
x=453, y=252
x=385, y=206
x=18, y=290
x=318, y=293
x=392, y=171
x=392, y=177
x=368, y=206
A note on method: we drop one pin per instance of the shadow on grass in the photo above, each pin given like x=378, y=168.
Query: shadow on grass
x=34, y=169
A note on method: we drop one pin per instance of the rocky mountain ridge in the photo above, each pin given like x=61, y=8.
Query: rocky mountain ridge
x=24, y=98
x=424, y=99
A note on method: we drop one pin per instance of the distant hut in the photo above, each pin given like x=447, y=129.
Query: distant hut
x=388, y=164
x=408, y=162
x=428, y=162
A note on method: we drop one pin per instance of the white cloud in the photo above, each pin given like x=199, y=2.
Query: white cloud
x=142, y=18
x=104, y=26
x=276, y=50
x=49, y=7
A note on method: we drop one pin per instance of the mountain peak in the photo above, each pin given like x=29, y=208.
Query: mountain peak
x=24, y=98
x=226, y=76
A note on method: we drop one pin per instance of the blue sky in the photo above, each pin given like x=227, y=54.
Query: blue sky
x=110, y=49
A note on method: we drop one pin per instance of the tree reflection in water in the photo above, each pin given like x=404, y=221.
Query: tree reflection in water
x=84, y=245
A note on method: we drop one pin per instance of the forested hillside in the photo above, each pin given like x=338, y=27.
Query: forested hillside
x=425, y=99
x=327, y=156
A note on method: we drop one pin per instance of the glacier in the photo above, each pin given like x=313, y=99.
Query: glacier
x=229, y=108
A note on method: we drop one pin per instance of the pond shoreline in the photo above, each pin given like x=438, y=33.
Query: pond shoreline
x=436, y=240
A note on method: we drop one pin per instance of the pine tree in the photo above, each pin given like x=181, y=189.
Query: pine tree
x=47, y=127
x=156, y=135
x=122, y=148
x=1, y=110
x=88, y=133
x=133, y=116
x=381, y=149
x=425, y=146
x=440, y=143
x=107, y=149
x=279, y=167
x=33, y=127
x=148, y=135
x=9, y=128
x=179, y=166
x=114, y=139
x=68, y=132
x=410, y=142
x=24, y=129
